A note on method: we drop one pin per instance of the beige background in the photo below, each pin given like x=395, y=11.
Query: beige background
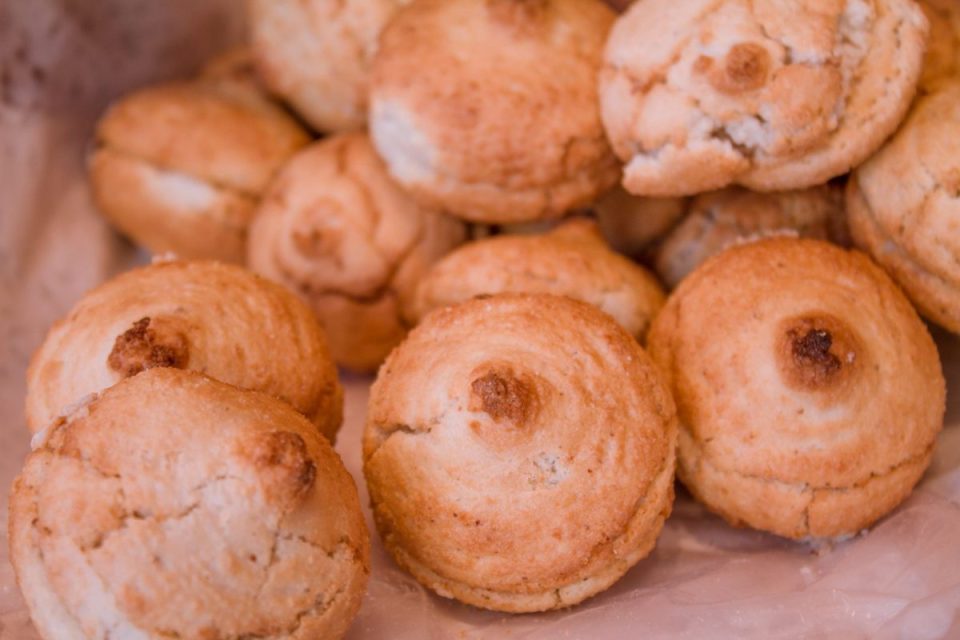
x=62, y=61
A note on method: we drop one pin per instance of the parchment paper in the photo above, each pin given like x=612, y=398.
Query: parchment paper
x=62, y=61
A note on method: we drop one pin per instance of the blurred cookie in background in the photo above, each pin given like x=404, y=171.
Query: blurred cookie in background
x=180, y=167
x=316, y=55
x=335, y=228
x=723, y=218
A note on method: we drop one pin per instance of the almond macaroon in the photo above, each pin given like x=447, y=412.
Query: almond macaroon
x=488, y=108
x=180, y=167
x=701, y=94
x=809, y=392
x=176, y=506
x=519, y=451
x=203, y=316
x=335, y=228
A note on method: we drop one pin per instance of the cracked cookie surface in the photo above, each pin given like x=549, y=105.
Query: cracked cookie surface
x=176, y=506
x=519, y=452
x=904, y=206
x=204, y=316
x=771, y=96
x=488, y=108
x=809, y=393
x=336, y=229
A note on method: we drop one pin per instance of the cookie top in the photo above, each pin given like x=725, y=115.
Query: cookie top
x=316, y=55
x=572, y=260
x=772, y=96
x=337, y=229
x=905, y=204
x=800, y=365
x=509, y=420
x=218, y=132
x=175, y=505
x=203, y=316
x=719, y=219
x=488, y=108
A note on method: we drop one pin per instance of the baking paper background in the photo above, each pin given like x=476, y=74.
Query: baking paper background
x=62, y=61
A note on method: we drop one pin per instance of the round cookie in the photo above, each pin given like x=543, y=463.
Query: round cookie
x=335, y=228
x=218, y=319
x=519, y=452
x=904, y=206
x=942, y=63
x=773, y=96
x=721, y=218
x=571, y=260
x=316, y=55
x=632, y=224
x=180, y=167
x=177, y=506
x=809, y=393
x=488, y=108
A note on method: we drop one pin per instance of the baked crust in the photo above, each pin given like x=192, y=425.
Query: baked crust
x=179, y=167
x=176, y=506
x=519, y=452
x=203, y=316
x=316, y=55
x=942, y=63
x=703, y=94
x=335, y=228
x=719, y=219
x=809, y=393
x=571, y=260
x=488, y=108
x=904, y=206
x=633, y=224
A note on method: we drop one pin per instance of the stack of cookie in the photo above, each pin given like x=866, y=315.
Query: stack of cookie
x=456, y=229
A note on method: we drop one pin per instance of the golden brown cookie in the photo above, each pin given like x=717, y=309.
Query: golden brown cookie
x=180, y=167
x=335, y=228
x=316, y=55
x=702, y=94
x=218, y=319
x=488, y=108
x=809, y=393
x=633, y=224
x=572, y=260
x=175, y=506
x=942, y=63
x=722, y=218
x=904, y=206
x=519, y=452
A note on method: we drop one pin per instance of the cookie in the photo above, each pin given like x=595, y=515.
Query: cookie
x=180, y=167
x=177, y=506
x=904, y=206
x=202, y=316
x=519, y=451
x=942, y=63
x=632, y=224
x=335, y=228
x=488, y=108
x=316, y=55
x=572, y=260
x=808, y=391
x=772, y=96
x=722, y=218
